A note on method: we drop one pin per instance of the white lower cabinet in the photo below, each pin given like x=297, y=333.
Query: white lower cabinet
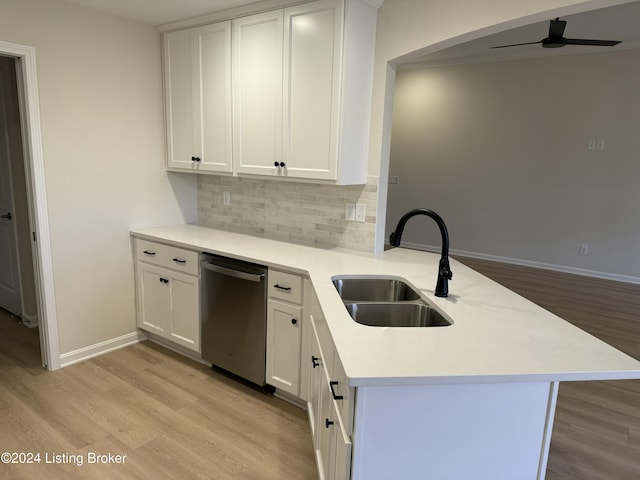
x=284, y=331
x=327, y=399
x=168, y=300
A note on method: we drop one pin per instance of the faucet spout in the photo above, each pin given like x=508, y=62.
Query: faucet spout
x=444, y=270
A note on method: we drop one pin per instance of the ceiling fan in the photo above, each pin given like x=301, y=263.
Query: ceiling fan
x=556, y=39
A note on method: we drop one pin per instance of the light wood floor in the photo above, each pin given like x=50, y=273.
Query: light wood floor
x=173, y=418
x=176, y=419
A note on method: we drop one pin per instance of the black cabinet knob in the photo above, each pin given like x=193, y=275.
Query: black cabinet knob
x=293, y=321
x=195, y=159
x=282, y=164
x=276, y=164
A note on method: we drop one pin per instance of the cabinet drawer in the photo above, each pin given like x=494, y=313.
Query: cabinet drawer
x=285, y=286
x=167, y=256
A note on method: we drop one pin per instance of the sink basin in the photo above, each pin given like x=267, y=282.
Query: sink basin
x=374, y=289
x=396, y=315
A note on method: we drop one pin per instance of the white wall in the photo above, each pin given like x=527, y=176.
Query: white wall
x=500, y=150
x=409, y=28
x=100, y=89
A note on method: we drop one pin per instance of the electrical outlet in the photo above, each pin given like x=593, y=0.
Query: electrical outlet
x=584, y=249
x=226, y=198
x=361, y=212
x=350, y=212
x=600, y=145
x=591, y=145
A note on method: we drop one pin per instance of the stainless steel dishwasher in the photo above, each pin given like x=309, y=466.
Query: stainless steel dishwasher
x=234, y=316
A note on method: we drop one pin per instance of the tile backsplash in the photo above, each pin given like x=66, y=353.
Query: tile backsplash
x=303, y=213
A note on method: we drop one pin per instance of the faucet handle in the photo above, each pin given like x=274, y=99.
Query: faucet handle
x=446, y=273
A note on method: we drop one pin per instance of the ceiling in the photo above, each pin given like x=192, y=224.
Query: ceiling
x=613, y=23
x=158, y=12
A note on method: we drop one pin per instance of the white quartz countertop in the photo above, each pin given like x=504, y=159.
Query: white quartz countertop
x=497, y=335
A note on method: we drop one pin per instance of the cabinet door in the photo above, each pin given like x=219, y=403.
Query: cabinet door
x=341, y=462
x=284, y=326
x=311, y=87
x=257, y=93
x=198, y=98
x=184, y=325
x=214, y=42
x=181, y=98
x=316, y=382
x=154, y=299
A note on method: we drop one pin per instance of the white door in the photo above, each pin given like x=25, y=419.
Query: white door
x=283, y=346
x=9, y=274
x=197, y=66
x=311, y=89
x=257, y=93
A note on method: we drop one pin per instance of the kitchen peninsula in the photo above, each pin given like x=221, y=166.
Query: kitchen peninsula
x=472, y=400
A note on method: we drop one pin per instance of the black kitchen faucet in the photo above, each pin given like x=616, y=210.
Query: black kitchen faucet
x=444, y=271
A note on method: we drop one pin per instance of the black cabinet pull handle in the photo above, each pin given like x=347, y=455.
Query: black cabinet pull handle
x=6, y=216
x=327, y=422
x=147, y=252
x=177, y=260
x=332, y=384
x=293, y=321
x=314, y=361
x=280, y=287
x=164, y=280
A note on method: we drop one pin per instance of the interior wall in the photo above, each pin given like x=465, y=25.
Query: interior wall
x=509, y=154
x=100, y=92
x=407, y=29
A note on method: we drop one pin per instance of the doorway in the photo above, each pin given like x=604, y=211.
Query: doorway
x=32, y=271
x=18, y=294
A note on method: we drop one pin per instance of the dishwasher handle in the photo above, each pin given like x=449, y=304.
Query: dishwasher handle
x=252, y=277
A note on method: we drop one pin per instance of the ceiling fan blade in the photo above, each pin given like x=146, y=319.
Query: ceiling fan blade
x=556, y=28
x=518, y=44
x=597, y=43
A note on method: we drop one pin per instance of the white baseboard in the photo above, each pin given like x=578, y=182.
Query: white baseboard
x=528, y=263
x=101, y=348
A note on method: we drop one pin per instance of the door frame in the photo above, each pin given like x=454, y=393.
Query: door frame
x=36, y=192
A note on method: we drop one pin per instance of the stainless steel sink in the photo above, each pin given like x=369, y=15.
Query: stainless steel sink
x=386, y=301
x=396, y=315
x=374, y=289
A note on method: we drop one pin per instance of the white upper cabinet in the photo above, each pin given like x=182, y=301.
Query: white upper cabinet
x=311, y=87
x=301, y=93
x=197, y=65
x=257, y=93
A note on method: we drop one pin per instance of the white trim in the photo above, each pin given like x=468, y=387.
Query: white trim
x=34, y=159
x=85, y=353
x=529, y=263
